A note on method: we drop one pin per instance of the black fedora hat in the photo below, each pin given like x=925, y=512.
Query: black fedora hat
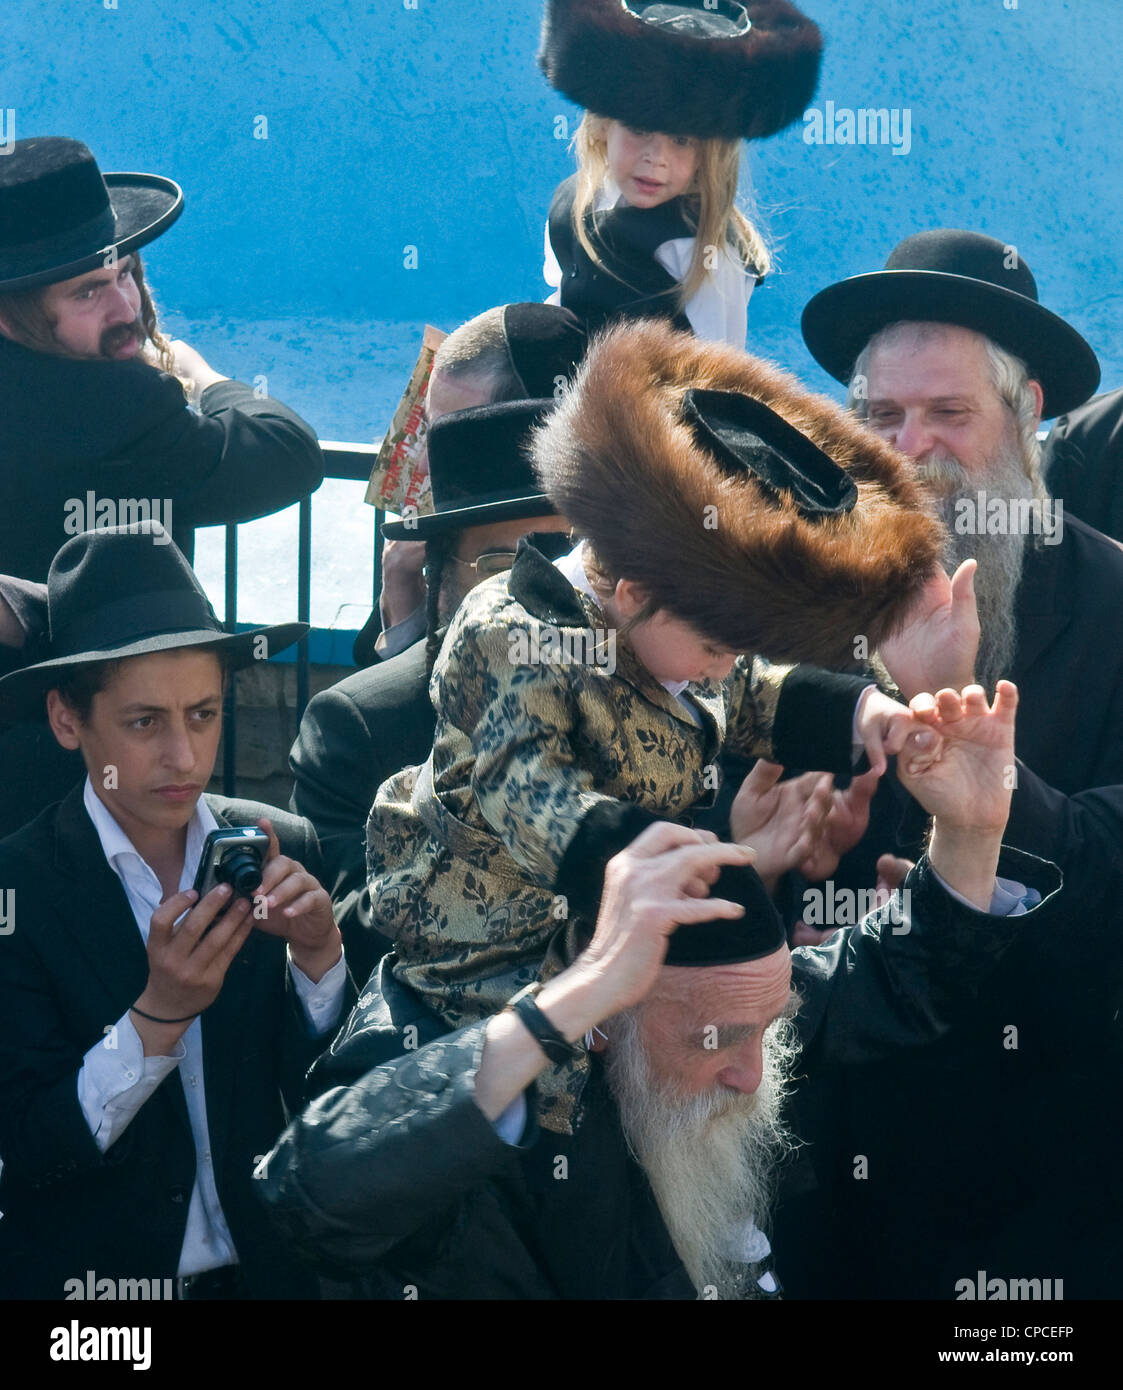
x=714, y=69
x=480, y=470
x=962, y=278
x=125, y=591
x=61, y=217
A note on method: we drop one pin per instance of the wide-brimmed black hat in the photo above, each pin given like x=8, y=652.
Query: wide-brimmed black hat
x=124, y=591
x=963, y=278
x=61, y=217
x=480, y=470
x=721, y=69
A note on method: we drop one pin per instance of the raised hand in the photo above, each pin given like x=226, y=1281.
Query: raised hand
x=782, y=821
x=939, y=641
x=887, y=728
x=187, y=963
x=891, y=873
x=660, y=882
x=403, y=583
x=657, y=885
x=293, y=904
x=970, y=784
x=846, y=823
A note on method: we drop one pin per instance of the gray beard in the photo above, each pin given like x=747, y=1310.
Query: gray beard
x=710, y=1158
x=1000, y=557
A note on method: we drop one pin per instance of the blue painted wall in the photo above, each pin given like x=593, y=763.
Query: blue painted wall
x=431, y=126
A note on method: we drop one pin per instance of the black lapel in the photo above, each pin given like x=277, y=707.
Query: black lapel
x=543, y=590
x=1041, y=605
x=92, y=908
x=93, y=913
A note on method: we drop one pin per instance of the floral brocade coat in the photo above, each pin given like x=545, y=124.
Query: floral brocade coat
x=470, y=855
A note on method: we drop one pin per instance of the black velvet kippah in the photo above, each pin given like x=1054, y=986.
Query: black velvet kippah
x=729, y=941
x=544, y=342
x=611, y=826
x=744, y=435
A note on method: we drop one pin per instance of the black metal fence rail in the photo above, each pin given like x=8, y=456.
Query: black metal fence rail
x=351, y=461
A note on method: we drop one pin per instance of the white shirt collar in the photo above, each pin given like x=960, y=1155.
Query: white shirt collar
x=609, y=194
x=573, y=568
x=117, y=847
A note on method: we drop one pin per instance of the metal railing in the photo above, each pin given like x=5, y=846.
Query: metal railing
x=349, y=461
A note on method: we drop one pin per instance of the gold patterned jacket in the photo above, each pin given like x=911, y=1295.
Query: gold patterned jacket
x=551, y=741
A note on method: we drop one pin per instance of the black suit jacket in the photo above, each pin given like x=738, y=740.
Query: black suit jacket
x=1022, y=1183
x=124, y=431
x=353, y=736
x=394, y=1177
x=1082, y=462
x=69, y=969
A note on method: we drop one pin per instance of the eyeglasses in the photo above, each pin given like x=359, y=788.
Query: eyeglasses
x=489, y=563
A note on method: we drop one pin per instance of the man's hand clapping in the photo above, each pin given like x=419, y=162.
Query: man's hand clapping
x=784, y=822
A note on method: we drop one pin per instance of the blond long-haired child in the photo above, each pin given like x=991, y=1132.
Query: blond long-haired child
x=649, y=226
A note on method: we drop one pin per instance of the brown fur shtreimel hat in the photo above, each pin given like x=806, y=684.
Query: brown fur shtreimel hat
x=762, y=515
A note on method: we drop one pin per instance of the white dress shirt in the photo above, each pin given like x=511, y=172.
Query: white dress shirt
x=116, y=1077
x=718, y=310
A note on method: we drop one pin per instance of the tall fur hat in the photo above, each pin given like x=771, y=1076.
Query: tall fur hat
x=751, y=568
x=728, y=71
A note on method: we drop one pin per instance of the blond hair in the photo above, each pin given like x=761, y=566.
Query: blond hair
x=710, y=206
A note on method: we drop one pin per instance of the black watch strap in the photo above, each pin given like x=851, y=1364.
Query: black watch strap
x=552, y=1043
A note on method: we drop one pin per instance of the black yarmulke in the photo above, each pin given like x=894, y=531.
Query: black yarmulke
x=730, y=941
x=544, y=343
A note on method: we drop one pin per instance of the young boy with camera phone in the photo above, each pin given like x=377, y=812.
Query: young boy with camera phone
x=155, y=1020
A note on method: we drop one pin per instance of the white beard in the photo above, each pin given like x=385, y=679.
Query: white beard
x=1000, y=557
x=710, y=1158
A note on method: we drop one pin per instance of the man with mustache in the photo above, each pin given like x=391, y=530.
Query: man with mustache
x=421, y=1171
x=101, y=413
x=950, y=357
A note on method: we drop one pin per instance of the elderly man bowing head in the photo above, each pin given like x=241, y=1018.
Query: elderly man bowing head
x=421, y=1170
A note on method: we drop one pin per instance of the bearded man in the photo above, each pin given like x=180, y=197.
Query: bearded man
x=949, y=356
x=105, y=421
x=421, y=1170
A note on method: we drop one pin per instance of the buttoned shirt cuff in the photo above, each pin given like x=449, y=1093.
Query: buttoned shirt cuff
x=321, y=1000
x=511, y=1124
x=116, y=1078
x=1009, y=899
